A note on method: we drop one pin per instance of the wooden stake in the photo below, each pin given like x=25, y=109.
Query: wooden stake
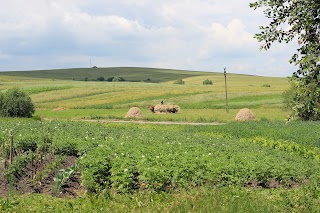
x=11, y=146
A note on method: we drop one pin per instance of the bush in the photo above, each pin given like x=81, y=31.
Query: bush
x=118, y=79
x=207, y=82
x=148, y=80
x=303, y=101
x=179, y=81
x=100, y=79
x=16, y=103
x=110, y=79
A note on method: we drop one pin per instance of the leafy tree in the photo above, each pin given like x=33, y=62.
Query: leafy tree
x=179, y=81
x=16, y=103
x=100, y=79
x=118, y=79
x=110, y=79
x=207, y=82
x=296, y=19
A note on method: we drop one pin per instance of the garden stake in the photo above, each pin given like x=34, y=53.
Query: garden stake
x=11, y=146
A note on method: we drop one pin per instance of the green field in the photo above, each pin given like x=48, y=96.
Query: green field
x=133, y=74
x=76, y=156
x=238, y=167
x=199, y=103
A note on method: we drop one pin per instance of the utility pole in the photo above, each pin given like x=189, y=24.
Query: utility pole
x=225, y=85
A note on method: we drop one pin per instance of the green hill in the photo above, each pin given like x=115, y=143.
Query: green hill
x=133, y=74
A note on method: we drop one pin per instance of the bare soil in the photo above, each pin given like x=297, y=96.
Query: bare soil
x=28, y=182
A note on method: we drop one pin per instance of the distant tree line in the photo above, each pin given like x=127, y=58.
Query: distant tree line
x=111, y=79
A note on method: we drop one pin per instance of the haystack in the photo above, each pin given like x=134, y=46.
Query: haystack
x=245, y=115
x=134, y=112
x=166, y=108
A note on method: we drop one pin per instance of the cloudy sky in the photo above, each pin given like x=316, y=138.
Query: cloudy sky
x=204, y=35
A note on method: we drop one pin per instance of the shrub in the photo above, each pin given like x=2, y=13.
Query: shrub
x=110, y=79
x=148, y=80
x=100, y=79
x=16, y=103
x=207, y=82
x=179, y=81
x=118, y=79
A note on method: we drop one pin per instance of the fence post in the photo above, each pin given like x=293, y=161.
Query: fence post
x=11, y=146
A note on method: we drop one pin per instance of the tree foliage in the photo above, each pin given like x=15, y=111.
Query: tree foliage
x=118, y=79
x=291, y=20
x=207, y=82
x=100, y=78
x=179, y=81
x=15, y=103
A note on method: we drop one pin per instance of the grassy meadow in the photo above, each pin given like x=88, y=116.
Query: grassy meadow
x=267, y=165
x=56, y=96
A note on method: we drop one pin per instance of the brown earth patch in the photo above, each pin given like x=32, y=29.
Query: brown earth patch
x=30, y=182
x=274, y=184
x=59, y=109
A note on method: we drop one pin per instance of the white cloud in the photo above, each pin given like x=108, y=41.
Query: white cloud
x=184, y=34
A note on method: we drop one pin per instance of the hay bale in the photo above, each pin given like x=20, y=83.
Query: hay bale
x=134, y=112
x=166, y=108
x=245, y=115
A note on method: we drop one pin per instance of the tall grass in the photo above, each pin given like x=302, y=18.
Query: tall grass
x=197, y=200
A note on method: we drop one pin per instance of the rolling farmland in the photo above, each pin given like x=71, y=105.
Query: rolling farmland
x=267, y=165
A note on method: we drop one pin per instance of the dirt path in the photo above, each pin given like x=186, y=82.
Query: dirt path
x=152, y=122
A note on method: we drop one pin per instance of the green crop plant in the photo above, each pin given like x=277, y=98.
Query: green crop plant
x=63, y=177
x=15, y=170
x=147, y=167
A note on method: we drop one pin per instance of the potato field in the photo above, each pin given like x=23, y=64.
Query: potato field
x=78, y=152
x=130, y=159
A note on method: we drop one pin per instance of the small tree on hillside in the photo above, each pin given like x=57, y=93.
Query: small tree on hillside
x=207, y=82
x=16, y=103
x=118, y=79
x=100, y=79
x=110, y=79
x=179, y=81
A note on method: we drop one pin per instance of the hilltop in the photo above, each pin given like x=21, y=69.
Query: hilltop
x=132, y=74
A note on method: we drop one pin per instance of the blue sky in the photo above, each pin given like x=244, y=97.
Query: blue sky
x=204, y=35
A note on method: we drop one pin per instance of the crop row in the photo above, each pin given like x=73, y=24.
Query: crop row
x=126, y=157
